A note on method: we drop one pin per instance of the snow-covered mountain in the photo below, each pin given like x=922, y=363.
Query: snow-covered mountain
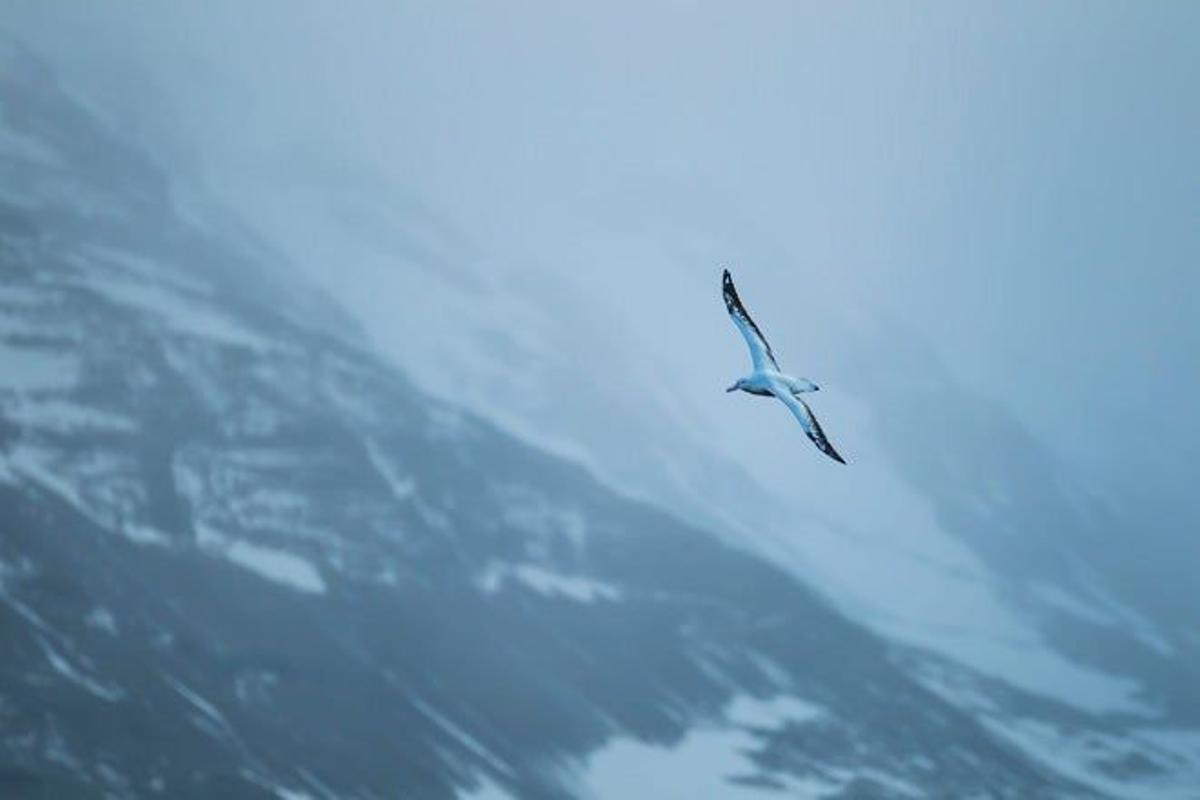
x=243, y=556
x=958, y=535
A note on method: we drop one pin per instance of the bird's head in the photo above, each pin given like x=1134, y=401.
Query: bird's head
x=736, y=386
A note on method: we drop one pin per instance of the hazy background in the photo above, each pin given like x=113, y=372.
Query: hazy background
x=974, y=225
x=929, y=209
x=1015, y=183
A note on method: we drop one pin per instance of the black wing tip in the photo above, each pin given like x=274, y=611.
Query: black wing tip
x=820, y=440
x=729, y=292
x=825, y=447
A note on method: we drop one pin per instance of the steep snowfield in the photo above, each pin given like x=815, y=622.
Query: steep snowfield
x=899, y=563
x=710, y=755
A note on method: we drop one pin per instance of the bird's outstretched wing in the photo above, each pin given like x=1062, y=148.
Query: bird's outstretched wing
x=760, y=351
x=809, y=422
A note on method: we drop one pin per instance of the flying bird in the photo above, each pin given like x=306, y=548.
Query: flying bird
x=766, y=380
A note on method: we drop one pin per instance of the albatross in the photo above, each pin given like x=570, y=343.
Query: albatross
x=767, y=380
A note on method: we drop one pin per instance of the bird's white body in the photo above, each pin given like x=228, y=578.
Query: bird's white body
x=767, y=380
x=764, y=382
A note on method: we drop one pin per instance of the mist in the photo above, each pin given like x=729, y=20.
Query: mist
x=1013, y=184
x=975, y=227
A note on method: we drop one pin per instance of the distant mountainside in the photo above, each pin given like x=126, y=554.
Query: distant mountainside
x=241, y=556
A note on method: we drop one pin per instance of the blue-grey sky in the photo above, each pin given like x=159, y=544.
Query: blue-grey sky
x=1016, y=183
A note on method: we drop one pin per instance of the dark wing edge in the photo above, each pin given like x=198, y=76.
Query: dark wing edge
x=818, y=435
x=733, y=304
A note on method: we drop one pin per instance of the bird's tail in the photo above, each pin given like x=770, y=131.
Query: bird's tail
x=801, y=385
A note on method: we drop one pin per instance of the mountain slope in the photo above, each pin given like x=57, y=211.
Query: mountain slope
x=242, y=557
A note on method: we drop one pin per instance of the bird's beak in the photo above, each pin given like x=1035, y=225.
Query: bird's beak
x=732, y=388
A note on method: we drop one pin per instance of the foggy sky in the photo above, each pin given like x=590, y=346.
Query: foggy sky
x=1014, y=184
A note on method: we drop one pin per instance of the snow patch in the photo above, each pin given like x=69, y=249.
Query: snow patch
x=402, y=487
x=271, y=563
x=750, y=712
x=188, y=316
x=284, y=793
x=101, y=619
x=1105, y=610
x=705, y=761
x=927, y=590
x=66, y=417
x=152, y=269
x=544, y=581
x=539, y=519
x=462, y=737
x=1071, y=605
x=485, y=790
x=277, y=565
x=144, y=534
x=32, y=463
x=67, y=670
x=1088, y=757
x=210, y=719
x=277, y=789
x=1029, y=664
x=205, y=707
x=269, y=508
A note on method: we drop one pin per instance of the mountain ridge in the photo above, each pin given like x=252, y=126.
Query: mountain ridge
x=244, y=556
